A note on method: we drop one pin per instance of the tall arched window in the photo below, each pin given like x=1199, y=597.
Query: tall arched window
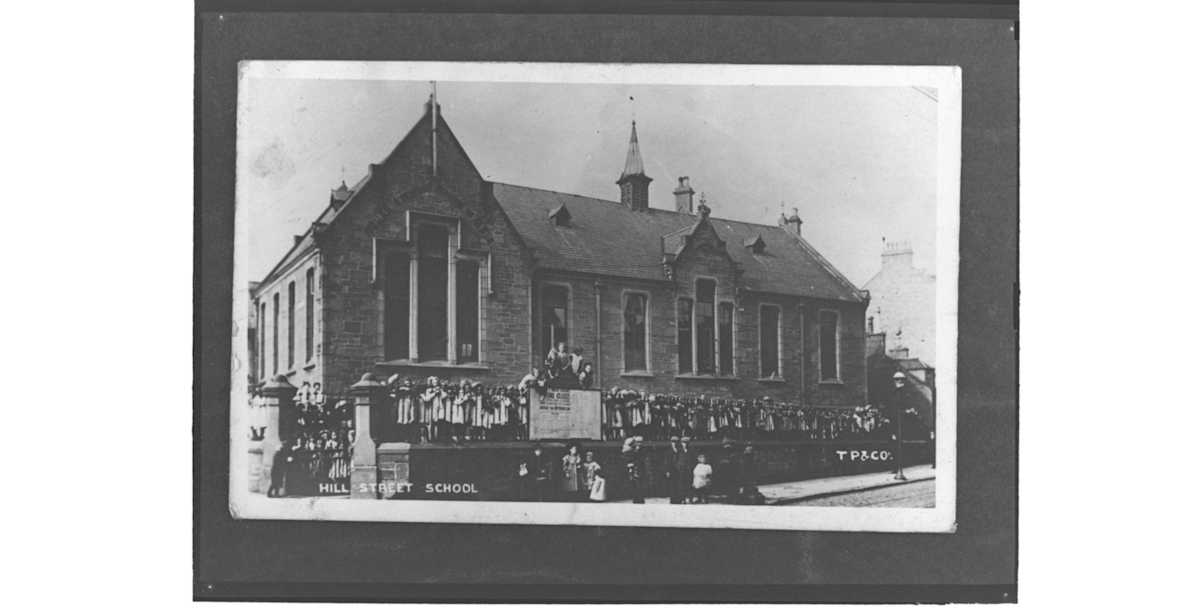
x=635, y=332
x=684, y=323
x=433, y=274
x=706, y=337
x=275, y=337
x=433, y=295
x=830, y=361
x=291, y=322
x=308, y=315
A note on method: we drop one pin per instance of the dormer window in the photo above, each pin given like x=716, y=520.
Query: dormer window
x=755, y=244
x=560, y=216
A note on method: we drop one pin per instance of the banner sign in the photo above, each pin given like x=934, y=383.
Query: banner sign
x=563, y=414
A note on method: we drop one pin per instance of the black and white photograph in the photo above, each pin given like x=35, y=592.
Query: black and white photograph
x=677, y=296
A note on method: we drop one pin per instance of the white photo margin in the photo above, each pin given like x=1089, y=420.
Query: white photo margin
x=946, y=79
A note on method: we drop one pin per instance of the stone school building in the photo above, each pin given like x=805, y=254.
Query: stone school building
x=423, y=268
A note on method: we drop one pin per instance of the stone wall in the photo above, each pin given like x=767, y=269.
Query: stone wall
x=304, y=369
x=798, y=329
x=353, y=307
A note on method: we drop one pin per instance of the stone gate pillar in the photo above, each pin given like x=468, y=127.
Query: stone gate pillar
x=363, y=473
x=279, y=396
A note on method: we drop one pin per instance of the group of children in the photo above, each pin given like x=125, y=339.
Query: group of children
x=564, y=368
x=628, y=413
x=434, y=410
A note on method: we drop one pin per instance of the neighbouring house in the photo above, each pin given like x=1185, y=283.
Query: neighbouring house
x=904, y=303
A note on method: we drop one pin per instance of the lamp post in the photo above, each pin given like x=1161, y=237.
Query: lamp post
x=898, y=380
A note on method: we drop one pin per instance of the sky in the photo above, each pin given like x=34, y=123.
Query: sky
x=859, y=163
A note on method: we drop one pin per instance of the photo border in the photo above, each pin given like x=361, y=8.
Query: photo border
x=940, y=519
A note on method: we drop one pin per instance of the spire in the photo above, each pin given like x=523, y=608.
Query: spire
x=635, y=184
x=633, y=162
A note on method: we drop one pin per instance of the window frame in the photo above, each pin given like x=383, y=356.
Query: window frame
x=478, y=317
x=310, y=316
x=625, y=294
x=541, y=312
x=262, y=340
x=837, y=342
x=415, y=221
x=291, y=326
x=691, y=330
x=732, y=372
x=696, y=342
x=778, y=342
x=275, y=336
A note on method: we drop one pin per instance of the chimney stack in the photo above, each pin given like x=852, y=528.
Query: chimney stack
x=792, y=222
x=897, y=254
x=683, y=197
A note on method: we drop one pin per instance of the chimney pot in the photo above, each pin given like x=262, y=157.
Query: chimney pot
x=793, y=222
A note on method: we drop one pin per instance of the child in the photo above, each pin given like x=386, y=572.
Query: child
x=702, y=478
x=593, y=480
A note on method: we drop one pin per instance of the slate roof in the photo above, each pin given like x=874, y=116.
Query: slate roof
x=909, y=364
x=607, y=238
x=342, y=194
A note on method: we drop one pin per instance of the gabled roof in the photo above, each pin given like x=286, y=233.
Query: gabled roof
x=607, y=238
x=757, y=240
x=674, y=242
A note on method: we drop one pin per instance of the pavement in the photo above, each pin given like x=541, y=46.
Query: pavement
x=798, y=491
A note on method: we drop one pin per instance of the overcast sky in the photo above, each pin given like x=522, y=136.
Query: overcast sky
x=860, y=163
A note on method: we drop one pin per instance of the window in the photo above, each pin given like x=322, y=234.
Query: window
x=684, y=322
x=725, y=330
x=705, y=326
x=291, y=325
x=433, y=295
x=308, y=316
x=635, y=332
x=554, y=317
x=262, y=341
x=467, y=310
x=829, y=346
x=432, y=286
x=768, y=350
x=275, y=337
x=396, y=305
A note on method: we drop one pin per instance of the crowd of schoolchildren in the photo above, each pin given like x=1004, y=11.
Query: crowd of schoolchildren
x=317, y=450
x=436, y=410
x=692, y=477
x=432, y=410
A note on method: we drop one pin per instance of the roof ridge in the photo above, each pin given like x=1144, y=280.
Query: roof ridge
x=828, y=265
x=654, y=209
